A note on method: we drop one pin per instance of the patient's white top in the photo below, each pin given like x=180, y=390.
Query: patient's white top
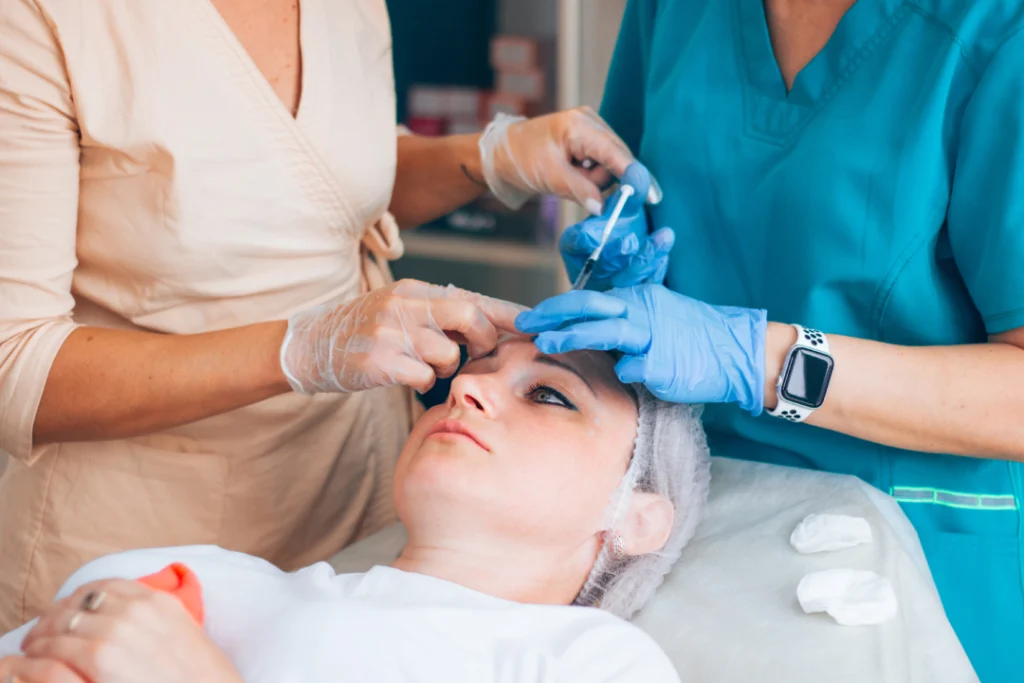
x=387, y=625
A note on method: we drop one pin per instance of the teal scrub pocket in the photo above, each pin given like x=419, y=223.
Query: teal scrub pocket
x=979, y=579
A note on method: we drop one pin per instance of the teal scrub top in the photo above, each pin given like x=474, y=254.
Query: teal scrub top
x=881, y=198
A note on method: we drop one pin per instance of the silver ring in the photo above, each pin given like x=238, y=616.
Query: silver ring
x=93, y=600
x=10, y=678
x=73, y=622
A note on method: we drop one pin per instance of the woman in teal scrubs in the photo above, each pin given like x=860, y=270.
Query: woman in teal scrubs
x=876, y=194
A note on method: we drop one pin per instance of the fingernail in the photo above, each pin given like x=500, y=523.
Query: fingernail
x=664, y=238
x=593, y=206
x=654, y=195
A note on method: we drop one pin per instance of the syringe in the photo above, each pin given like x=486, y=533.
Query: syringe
x=625, y=192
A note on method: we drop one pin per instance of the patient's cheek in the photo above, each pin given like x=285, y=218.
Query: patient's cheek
x=419, y=432
x=615, y=422
x=596, y=449
x=613, y=434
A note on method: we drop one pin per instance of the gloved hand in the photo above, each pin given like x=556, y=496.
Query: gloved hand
x=631, y=256
x=524, y=157
x=407, y=333
x=681, y=349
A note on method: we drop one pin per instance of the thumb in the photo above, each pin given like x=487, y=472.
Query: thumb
x=639, y=178
x=664, y=239
x=631, y=369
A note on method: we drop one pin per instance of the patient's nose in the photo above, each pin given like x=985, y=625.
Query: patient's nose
x=473, y=392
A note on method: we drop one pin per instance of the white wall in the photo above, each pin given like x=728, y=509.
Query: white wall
x=599, y=26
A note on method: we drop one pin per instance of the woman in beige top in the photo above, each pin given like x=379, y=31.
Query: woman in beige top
x=177, y=180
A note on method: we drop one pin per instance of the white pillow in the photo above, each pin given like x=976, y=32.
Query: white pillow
x=728, y=610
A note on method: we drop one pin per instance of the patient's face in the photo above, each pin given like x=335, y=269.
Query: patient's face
x=527, y=447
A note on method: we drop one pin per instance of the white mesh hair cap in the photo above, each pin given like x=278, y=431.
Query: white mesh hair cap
x=670, y=459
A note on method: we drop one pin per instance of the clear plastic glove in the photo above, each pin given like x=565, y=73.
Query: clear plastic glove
x=631, y=256
x=681, y=349
x=405, y=334
x=525, y=157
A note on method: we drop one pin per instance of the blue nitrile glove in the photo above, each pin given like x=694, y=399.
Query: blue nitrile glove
x=632, y=256
x=681, y=349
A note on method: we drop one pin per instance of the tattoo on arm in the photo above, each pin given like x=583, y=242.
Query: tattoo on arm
x=476, y=181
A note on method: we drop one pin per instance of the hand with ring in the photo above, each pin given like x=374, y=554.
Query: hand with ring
x=122, y=632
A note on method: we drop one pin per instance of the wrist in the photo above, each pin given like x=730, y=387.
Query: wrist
x=779, y=339
x=498, y=162
x=273, y=375
x=466, y=149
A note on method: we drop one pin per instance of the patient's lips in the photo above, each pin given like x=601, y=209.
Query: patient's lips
x=457, y=429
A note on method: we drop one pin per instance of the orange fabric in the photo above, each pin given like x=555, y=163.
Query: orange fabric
x=179, y=581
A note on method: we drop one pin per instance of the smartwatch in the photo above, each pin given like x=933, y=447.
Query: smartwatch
x=805, y=376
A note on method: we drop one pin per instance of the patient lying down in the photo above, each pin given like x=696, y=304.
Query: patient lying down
x=534, y=488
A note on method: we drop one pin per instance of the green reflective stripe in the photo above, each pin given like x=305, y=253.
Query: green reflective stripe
x=953, y=499
x=1007, y=502
x=910, y=495
x=957, y=499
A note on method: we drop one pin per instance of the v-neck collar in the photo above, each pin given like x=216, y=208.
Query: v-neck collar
x=859, y=28
x=296, y=135
x=308, y=24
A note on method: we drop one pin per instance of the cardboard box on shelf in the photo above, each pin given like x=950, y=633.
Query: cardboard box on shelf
x=453, y=111
x=515, y=53
x=464, y=103
x=428, y=126
x=504, y=103
x=464, y=126
x=444, y=102
x=530, y=85
x=487, y=218
x=426, y=101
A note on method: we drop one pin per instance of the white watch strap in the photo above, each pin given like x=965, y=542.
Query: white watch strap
x=807, y=338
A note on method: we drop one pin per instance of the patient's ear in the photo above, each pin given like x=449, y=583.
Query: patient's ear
x=647, y=526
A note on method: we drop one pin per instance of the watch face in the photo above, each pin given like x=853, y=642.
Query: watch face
x=807, y=377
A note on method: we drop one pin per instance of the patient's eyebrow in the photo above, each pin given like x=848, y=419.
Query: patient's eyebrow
x=549, y=360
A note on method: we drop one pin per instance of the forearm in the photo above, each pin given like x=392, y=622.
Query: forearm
x=965, y=400
x=435, y=176
x=108, y=384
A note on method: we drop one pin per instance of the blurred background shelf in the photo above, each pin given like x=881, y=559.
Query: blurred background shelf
x=476, y=250
x=443, y=55
x=516, y=272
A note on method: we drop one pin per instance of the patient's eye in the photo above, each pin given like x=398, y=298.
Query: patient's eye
x=548, y=396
